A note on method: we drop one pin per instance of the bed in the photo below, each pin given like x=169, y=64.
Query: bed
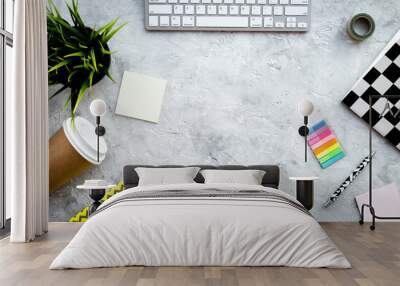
x=198, y=224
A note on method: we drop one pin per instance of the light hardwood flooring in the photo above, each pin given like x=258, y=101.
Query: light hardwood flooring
x=375, y=257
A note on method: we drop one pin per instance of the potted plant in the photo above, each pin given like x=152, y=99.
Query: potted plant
x=79, y=56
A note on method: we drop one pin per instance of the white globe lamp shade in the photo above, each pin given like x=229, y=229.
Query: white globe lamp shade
x=98, y=107
x=305, y=107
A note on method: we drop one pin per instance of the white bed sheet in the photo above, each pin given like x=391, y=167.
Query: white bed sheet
x=200, y=232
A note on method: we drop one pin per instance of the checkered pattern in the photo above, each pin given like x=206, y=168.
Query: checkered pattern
x=384, y=79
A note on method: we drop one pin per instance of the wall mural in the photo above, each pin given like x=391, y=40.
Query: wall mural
x=229, y=100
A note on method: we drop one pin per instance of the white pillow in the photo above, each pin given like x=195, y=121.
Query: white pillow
x=248, y=177
x=165, y=176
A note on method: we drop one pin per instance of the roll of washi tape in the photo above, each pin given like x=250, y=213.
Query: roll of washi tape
x=360, y=27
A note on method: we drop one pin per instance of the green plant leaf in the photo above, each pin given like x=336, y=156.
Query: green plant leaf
x=107, y=27
x=81, y=94
x=70, y=29
x=109, y=76
x=93, y=57
x=52, y=9
x=74, y=13
x=74, y=98
x=82, y=46
x=61, y=23
x=103, y=50
x=91, y=75
x=76, y=54
x=107, y=37
x=79, y=67
x=67, y=103
x=72, y=74
x=71, y=46
x=94, y=35
x=59, y=65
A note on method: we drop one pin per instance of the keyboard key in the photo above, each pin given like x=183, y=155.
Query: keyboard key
x=222, y=9
x=251, y=1
x=178, y=9
x=173, y=1
x=278, y=10
x=206, y=1
x=234, y=10
x=164, y=21
x=211, y=9
x=153, y=21
x=239, y=1
x=299, y=2
x=273, y=2
x=217, y=1
x=268, y=22
x=160, y=9
x=188, y=21
x=256, y=22
x=262, y=2
x=302, y=25
x=157, y=1
x=291, y=24
x=200, y=9
x=245, y=10
x=189, y=9
x=267, y=10
x=283, y=2
x=279, y=24
x=221, y=22
x=195, y=1
x=256, y=10
x=176, y=21
x=296, y=10
x=184, y=1
x=228, y=1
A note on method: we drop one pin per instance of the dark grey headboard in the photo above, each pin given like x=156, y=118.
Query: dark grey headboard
x=271, y=178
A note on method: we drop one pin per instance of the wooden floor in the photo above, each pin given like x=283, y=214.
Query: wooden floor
x=375, y=257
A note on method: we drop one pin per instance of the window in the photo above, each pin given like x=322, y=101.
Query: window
x=6, y=65
x=9, y=16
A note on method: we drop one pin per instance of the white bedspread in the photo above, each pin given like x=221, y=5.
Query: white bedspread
x=200, y=231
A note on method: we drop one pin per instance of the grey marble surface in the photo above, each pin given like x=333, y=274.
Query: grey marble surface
x=231, y=99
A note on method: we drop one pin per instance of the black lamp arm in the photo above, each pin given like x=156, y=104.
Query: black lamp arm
x=100, y=131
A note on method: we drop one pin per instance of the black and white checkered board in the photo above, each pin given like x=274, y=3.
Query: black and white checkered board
x=383, y=77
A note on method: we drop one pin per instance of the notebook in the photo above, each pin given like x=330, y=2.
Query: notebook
x=141, y=96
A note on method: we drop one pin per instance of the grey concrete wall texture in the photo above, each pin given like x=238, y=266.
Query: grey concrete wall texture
x=232, y=97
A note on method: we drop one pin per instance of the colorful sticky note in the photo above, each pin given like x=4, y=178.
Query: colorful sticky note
x=324, y=144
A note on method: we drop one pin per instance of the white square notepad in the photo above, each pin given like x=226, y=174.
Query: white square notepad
x=140, y=96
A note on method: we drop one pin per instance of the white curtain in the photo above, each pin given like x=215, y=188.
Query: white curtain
x=27, y=124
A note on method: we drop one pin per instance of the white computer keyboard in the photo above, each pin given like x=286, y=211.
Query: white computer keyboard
x=228, y=15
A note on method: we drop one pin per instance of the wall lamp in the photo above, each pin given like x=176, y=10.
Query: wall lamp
x=98, y=108
x=305, y=108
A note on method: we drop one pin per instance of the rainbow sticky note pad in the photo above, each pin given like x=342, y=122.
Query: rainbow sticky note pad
x=324, y=144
